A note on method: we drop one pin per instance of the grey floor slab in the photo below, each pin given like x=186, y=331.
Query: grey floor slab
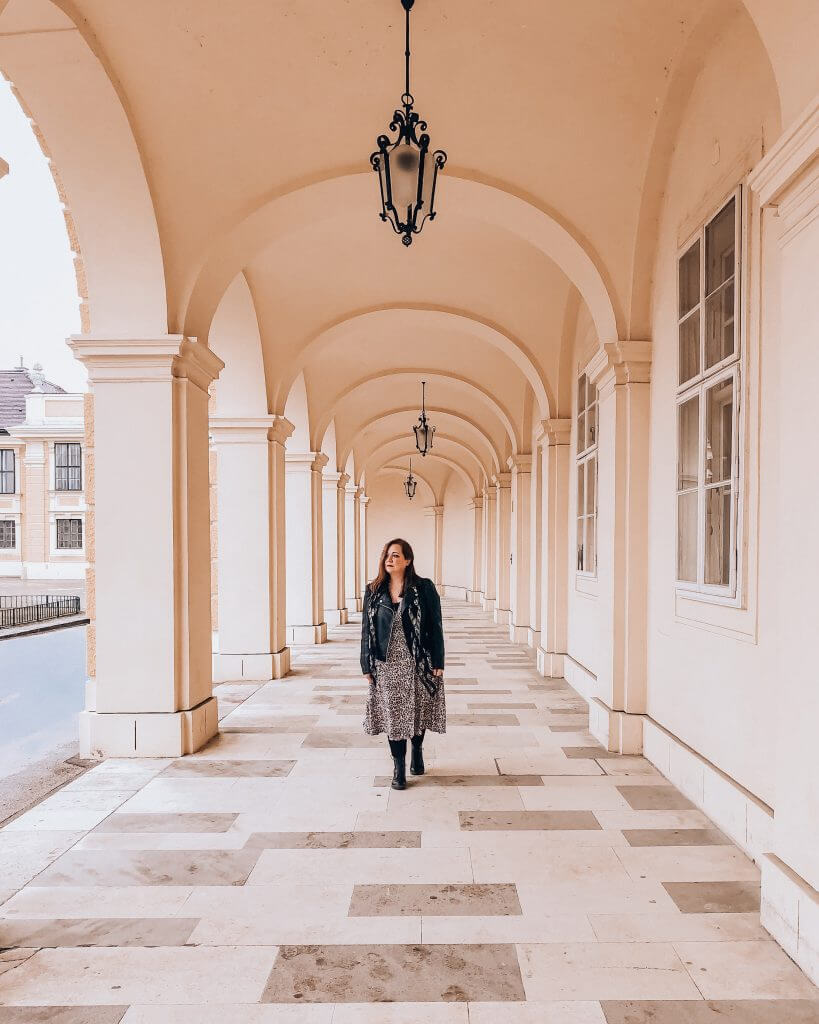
x=714, y=897
x=333, y=840
x=453, y=900
x=485, y=972
x=149, y=867
x=590, y=752
x=675, y=837
x=654, y=798
x=200, y=768
x=468, y=781
x=62, y=1014
x=473, y=719
x=102, y=931
x=166, y=822
x=503, y=821
x=677, y=1011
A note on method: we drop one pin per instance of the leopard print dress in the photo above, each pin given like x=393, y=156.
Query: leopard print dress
x=398, y=703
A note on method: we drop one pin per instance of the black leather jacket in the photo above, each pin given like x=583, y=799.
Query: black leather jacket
x=432, y=632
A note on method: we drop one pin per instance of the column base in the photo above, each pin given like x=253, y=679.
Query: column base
x=533, y=638
x=790, y=912
x=336, y=616
x=518, y=634
x=353, y=605
x=503, y=616
x=474, y=596
x=616, y=730
x=549, y=664
x=251, y=666
x=307, y=634
x=488, y=604
x=170, y=734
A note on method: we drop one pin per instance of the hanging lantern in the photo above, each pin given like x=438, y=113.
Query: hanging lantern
x=410, y=484
x=424, y=431
x=407, y=170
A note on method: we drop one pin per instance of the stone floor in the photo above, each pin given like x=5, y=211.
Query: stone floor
x=275, y=876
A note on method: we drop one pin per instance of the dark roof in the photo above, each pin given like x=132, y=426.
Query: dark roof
x=14, y=386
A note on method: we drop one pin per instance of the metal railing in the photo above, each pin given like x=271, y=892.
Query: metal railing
x=25, y=609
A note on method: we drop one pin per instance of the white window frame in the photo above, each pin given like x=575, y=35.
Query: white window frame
x=15, y=548
x=80, y=467
x=582, y=458
x=68, y=552
x=698, y=386
x=4, y=448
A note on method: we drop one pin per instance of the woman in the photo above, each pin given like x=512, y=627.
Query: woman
x=402, y=656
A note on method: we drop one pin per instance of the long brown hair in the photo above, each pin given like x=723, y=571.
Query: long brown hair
x=410, y=575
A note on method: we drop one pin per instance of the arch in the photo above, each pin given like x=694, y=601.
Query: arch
x=490, y=202
x=698, y=47
x=456, y=319
x=84, y=127
x=402, y=472
x=234, y=337
x=297, y=411
x=434, y=456
x=482, y=394
x=409, y=410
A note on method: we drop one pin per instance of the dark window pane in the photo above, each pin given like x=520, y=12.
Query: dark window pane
x=718, y=535
x=719, y=324
x=7, y=533
x=688, y=446
x=690, y=347
x=687, y=537
x=719, y=248
x=69, y=534
x=689, y=278
x=719, y=424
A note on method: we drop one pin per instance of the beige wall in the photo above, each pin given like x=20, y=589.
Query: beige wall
x=459, y=524
x=390, y=514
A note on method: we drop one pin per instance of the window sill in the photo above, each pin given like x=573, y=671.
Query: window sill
x=586, y=584
x=715, y=613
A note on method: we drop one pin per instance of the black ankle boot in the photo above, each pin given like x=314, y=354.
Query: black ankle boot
x=398, y=749
x=417, y=758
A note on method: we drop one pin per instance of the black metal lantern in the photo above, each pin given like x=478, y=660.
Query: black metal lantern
x=410, y=484
x=407, y=171
x=424, y=431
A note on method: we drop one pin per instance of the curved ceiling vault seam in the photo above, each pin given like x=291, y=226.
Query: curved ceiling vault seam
x=367, y=462
x=400, y=470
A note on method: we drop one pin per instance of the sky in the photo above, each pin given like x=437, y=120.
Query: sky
x=39, y=306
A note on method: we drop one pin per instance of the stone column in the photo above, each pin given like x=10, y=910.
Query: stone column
x=251, y=535
x=621, y=371
x=333, y=490
x=363, y=501
x=555, y=464
x=152, y=694
x=785, y=197
x=520, y=565
x=488, y=573
x=437, y=511
x=305, y=544
x=352, y=549
x=475, y=595
x=503, y=547
x=535, y=547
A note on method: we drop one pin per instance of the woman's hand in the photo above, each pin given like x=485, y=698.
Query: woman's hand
x=438, y=672
x=370, y=679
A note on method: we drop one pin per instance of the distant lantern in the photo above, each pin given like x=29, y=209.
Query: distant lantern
x=407, y=170
x=424, y=431
x=410, y=484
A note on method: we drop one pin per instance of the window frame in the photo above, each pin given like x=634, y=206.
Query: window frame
x=14, y=546
x=68, y=466
x=4, y=472
x=69, y=519
x=730, y=367
x=583, y=456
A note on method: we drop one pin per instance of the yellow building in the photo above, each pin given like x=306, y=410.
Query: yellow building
x=42, y=480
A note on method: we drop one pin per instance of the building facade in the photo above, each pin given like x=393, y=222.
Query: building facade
x=42, y=479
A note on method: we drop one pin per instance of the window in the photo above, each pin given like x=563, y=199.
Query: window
x=8, y=534
x=707, y=407
x=586, y=476
x=68, y=467
x=69, y=534
x=7, y=480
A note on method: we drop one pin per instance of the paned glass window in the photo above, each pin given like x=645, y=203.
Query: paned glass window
x=8, y=483
x=67, y=466
x=587, y=406
x=69, y=534
x=8, y=534
x=708, y=406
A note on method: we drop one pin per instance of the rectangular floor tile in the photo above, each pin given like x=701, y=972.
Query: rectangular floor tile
x=676, y=837
x=655, y=798
x=368, y=974
x=590, y=751
x=676, y=927
x=147, y=822
x=474, y=719
x=468, y=781
x=61, y=1014
x=185, y=768
x=715, y=897
x=184, y=974
x=400, y=1013
x=232, y=1013
x=464, y=899
x=606, y=970
x=524, y=820
x=365, y=866
x=744, y=970
x=501, y=706
x=145, y=867
x=106, y=931
x=689, y=863
x=762, y=1011
x=332, y=840
x=577, y=1012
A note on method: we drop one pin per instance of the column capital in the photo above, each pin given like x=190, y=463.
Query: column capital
x=620, y=362
x=352, y=488
x=502, y=480
x=313, y=461
x=520, y=463
x=433, y=510
x=146, y=359
x=554, y=432
x=489, y=492
x=240, y=430
x=281, y=430
x=476, y=501
x=331, y=480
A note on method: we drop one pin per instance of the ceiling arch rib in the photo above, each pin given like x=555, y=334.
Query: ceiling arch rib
x=383, y=419
x=475, y=390
x=287, y=211
x=400, y=471
x=397, y=448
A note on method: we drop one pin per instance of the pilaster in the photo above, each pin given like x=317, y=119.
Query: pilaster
x=437, y=511
x=490, y=506
x=333, y=491
x=503, y=547
x=352, y=549
x=475, y=595
x=305, y=548
x=520, y=467
x=553, y=441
